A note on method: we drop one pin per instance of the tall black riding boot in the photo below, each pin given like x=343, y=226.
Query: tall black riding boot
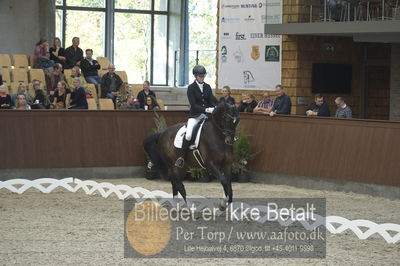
x=180, y=162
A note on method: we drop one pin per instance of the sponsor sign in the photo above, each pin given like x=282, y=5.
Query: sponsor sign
x=249, y=58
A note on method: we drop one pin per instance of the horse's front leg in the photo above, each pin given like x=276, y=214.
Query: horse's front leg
x=225, y=180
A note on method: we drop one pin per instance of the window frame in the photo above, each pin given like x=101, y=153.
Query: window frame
x=110, y=12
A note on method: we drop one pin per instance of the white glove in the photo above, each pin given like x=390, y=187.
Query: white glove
x=210, y=110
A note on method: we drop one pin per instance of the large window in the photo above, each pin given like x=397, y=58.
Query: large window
x=203, y=37
x=132, y=33
x=132, y=45
x=91, y=34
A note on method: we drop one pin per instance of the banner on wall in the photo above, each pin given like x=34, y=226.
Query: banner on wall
x=248, y=58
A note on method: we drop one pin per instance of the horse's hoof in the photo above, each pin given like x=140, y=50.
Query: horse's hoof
x=223, y=205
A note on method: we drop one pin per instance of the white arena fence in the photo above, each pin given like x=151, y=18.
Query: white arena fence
x=47, y=185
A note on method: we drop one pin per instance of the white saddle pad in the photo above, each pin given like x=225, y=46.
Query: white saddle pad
x=181, y=134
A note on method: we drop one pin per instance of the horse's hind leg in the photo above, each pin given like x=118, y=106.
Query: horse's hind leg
x=177, y=185
x=174, y=189
x=181, y=189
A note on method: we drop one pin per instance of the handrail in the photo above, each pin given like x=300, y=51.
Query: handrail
x=332, y=11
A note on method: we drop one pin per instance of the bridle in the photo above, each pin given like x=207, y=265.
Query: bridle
x=228, y=133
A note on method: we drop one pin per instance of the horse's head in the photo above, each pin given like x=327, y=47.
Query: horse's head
x=226, y=118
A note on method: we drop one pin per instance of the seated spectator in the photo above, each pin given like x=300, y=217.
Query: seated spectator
x=343, y=110
x=54, y=77
x=5, y=99
x=319, y=107
x=151, y=103
x=75, y=73
x=73, y=54
x=42, y=55
x=78, y=96
x=131, y=104
x=226, y=96
x=41, y=100
x=21, y=103
x=142, y=95
x=282, y=104
x=265, y=105
x=90, y=68
x=123, y=96
x=57, y=53
x=21, y=91
x=110, y=83
x=62, y=96
x=247, y=104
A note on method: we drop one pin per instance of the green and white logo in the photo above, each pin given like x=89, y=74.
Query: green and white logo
x=272, y=53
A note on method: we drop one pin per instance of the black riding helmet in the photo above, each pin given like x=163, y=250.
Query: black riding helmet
x=199, y=70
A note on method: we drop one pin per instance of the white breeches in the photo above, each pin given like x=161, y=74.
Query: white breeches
x=192, y=122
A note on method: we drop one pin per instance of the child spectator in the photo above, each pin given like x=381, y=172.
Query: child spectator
x=151, y=103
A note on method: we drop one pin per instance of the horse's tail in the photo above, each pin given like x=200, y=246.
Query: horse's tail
x=150, y=147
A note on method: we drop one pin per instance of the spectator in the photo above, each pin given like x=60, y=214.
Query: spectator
x=265, y=105
x=78, y=95
x=343, y=110
x=62, y=96
x=5, y=99
x=319, y=107
x=226, y=96
x=54, y=77
x=282, y=104
x=142, y=95
x=73, y=54
x=131, y=104
x=21, y=103
x=1, y=79
x=75, y=73
x=57, y=53
x=247, y=104
x=21, y=91
x=90, y=68
x=41, y=100
x=151, y=103
x=123, y=96
x=110, y=83
x=42, y=55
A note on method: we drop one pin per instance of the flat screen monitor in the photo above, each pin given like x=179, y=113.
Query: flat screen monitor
x=331, y=78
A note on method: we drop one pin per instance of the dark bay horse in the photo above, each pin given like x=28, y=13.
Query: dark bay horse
x=215, y=146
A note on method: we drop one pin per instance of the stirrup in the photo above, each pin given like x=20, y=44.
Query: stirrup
x=180, y=162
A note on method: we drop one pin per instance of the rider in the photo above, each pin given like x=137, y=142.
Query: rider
x=201, y=101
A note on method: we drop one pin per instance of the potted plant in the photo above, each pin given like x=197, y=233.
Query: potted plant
x=242, y=155
x=200, y=175
x=161, y=125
